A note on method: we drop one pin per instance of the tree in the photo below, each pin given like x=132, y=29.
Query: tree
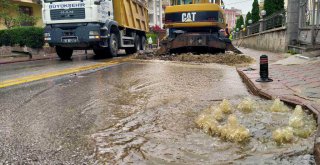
x=279, y=4
x=239, y=22
x=272, y=6
x=155, y=28
x=255, y=11
x=7, y=8
x=248, y=17
x=268, y=7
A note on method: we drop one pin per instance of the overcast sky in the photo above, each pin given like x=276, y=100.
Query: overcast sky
x=244, y=5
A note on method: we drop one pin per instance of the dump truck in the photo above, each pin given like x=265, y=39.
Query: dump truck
x=195, y=25
x=102, y=25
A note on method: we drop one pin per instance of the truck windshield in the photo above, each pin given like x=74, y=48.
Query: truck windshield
x=48, y=1
x=181, y=2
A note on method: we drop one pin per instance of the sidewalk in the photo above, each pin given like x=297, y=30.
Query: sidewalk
x=23, y=58
x=296, y=80
x=18, y=57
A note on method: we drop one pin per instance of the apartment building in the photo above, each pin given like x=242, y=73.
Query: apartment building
x=29, y=7
x=165, y=3
x=231, y=16
x=155, y=13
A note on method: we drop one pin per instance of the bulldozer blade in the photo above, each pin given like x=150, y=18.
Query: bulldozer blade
x=190, y=40
x=230, y=47
x=164, y=49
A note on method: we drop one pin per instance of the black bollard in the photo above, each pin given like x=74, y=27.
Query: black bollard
x=264, y=69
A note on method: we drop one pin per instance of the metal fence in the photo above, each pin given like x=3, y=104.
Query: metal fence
x=254, y=28
x=275, y=20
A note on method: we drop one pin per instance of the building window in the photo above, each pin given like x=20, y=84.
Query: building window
x=28, y=12
x=25, y=10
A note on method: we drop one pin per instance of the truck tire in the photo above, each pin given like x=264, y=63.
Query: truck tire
x=136, y=46
x=64, y=53
x=113, y=45
x=143, y=43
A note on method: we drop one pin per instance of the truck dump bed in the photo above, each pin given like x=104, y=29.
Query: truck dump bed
x=131, y=14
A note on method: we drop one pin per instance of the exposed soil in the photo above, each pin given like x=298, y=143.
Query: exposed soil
x=228, y=58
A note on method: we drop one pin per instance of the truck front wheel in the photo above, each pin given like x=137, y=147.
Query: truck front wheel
x=113, y=45
x=64, y=53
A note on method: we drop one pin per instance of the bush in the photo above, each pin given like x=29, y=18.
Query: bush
x=5, y=38
x=153, y=36
x=22, y=36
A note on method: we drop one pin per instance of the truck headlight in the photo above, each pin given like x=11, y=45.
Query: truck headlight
x=94, y=33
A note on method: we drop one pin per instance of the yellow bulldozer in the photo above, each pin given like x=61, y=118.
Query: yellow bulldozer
x=195, y=25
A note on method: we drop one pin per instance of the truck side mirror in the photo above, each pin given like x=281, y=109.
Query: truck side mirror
x=97, y=2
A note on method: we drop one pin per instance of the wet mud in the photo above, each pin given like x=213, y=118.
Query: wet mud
x=228, y=58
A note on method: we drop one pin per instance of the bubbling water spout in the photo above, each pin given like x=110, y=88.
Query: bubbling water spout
x=303, y=124
x=283, y=135
x=278, y=106
x=225, y=107
x=246, y=105
x=233, y=131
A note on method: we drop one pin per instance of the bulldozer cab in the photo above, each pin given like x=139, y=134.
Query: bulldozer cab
x=185, y=2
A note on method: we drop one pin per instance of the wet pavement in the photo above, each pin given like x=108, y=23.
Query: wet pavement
x=296, y=79
x=27, y=68
x=132, y=113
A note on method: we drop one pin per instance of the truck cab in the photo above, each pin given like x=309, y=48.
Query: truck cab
x=91, y=24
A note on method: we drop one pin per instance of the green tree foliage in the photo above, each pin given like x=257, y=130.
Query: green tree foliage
x=255, y=11
x=268, y=6
x=239, y=22
x=5, y=18
x=272, y=6
x=7, y=8
x=248, y=17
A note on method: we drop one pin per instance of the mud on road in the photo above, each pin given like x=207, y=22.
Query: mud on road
x=228, y=58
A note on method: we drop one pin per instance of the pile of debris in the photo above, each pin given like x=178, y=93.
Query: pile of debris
x=228, y=58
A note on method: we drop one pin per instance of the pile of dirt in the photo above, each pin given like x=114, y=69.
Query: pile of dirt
x=228, y=58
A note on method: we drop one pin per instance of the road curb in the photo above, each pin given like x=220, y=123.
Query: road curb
x=315, y=109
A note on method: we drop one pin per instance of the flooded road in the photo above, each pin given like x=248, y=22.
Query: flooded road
x=134, y=113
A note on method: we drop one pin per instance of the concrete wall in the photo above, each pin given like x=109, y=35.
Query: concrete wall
x=272, y=40
x=7, y=50
x=305, y=36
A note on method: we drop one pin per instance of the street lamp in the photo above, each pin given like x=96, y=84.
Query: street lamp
x=237, y=29
x=242, y=26
x=250, y=21
x=263, y=13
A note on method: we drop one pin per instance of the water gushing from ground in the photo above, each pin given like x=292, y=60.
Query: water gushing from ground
x=165, y=132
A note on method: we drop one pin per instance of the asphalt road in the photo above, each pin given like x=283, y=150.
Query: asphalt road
x=139, y=112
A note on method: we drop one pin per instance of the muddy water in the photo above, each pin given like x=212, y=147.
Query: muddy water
x=154, y=111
